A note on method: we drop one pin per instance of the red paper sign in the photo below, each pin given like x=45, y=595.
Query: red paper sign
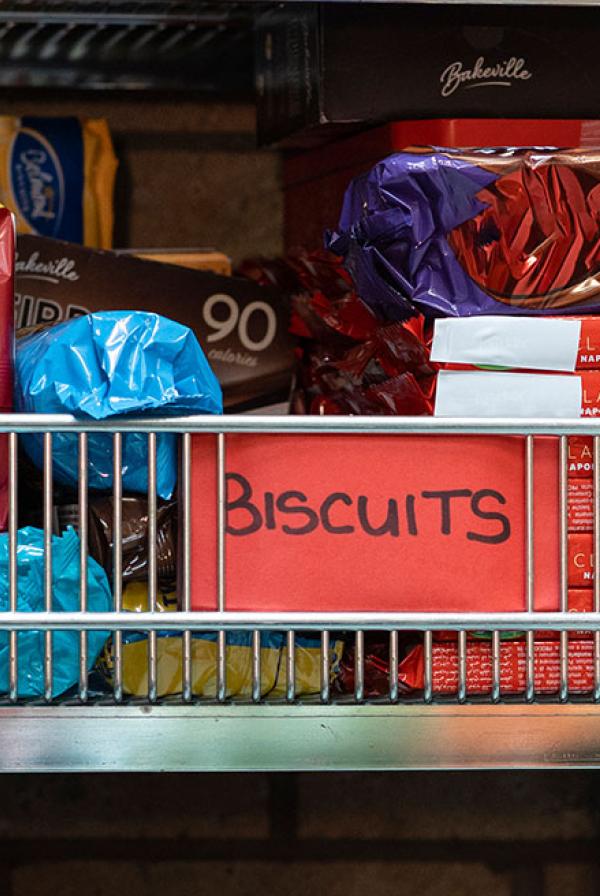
x=380, y=523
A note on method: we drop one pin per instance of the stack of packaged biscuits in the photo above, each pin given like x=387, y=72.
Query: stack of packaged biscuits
x=497, y=253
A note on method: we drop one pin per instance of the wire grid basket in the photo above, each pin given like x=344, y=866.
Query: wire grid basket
x=184, y=622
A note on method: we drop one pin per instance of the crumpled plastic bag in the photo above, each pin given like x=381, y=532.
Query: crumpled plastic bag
x=65, y=598
x=238, y=658
x=106, y=365
x=476, y=231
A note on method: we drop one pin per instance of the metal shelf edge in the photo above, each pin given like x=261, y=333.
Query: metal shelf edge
x=298, y=738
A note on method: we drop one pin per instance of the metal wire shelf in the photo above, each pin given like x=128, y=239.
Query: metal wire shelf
x=94, y=729
x=122, y=12
x=148, y=44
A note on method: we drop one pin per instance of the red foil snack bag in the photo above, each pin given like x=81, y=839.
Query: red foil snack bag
x=376, y=669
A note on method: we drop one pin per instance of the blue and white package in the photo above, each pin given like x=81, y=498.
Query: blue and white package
x=110, y=364
x=65, y=598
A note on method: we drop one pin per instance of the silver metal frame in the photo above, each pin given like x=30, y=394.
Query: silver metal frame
x=116, y=732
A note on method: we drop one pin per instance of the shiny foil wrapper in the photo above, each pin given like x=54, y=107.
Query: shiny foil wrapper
x=482, y=231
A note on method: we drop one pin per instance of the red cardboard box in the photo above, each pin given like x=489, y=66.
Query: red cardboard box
x=581, y=560
x=377, y=523
x=317, y=178
x=581, y=457
x=581, y=505
x=579, y=600
x=588, y=356
x=512, y=667
x=590, y=393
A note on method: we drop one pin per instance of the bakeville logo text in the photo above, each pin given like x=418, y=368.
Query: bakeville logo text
x=53, y=270
x=500, y=74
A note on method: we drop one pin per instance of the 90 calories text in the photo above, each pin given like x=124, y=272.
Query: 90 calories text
x=339, y=514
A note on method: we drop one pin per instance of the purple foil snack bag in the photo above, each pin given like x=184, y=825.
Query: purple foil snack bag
x=486, y=231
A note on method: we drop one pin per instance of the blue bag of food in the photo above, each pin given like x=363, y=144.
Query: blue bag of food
x=65, y=597
x=107, y=365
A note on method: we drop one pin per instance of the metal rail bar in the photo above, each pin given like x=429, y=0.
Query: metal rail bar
x=239, y=423
x=152, y=568
x=278, y=738
x=235, y=621
x=171, y=18
x=13, y=677
x=530, y=565
x=564, y=565
x=290, y=661
x=83, y=562
x=186, y=575
x=48, y=495
x=199, y=15
x=325, y=667
x=118, y=561
x=427, y=666
x=221, y=568
x=394, y=658
x=359, y=666
x=462, y=667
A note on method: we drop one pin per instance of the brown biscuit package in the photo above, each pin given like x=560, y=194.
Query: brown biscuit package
x=134, y=515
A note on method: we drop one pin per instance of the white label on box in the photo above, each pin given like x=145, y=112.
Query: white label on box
x=534, y=343
x=475, y=393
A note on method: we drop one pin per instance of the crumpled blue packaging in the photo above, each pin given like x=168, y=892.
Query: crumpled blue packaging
x=65, y=597
x=110, y=364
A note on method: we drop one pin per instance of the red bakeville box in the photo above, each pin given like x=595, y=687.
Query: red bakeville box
x=374, y=523
x=315, y=180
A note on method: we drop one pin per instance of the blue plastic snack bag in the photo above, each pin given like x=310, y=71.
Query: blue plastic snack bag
x=109, y=364
x=65, y=597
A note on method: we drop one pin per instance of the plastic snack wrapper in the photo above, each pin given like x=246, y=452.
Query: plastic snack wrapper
x=65, y=598
x=349, y=362
x=325, y=305
x=106, y=365
x=376, y=670
x=204, y=658
x=134, y=540
x=481, y=231
x=57, y=175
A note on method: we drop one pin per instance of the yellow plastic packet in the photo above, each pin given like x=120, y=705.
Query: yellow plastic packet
x=57, y=175
x=238, y=656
